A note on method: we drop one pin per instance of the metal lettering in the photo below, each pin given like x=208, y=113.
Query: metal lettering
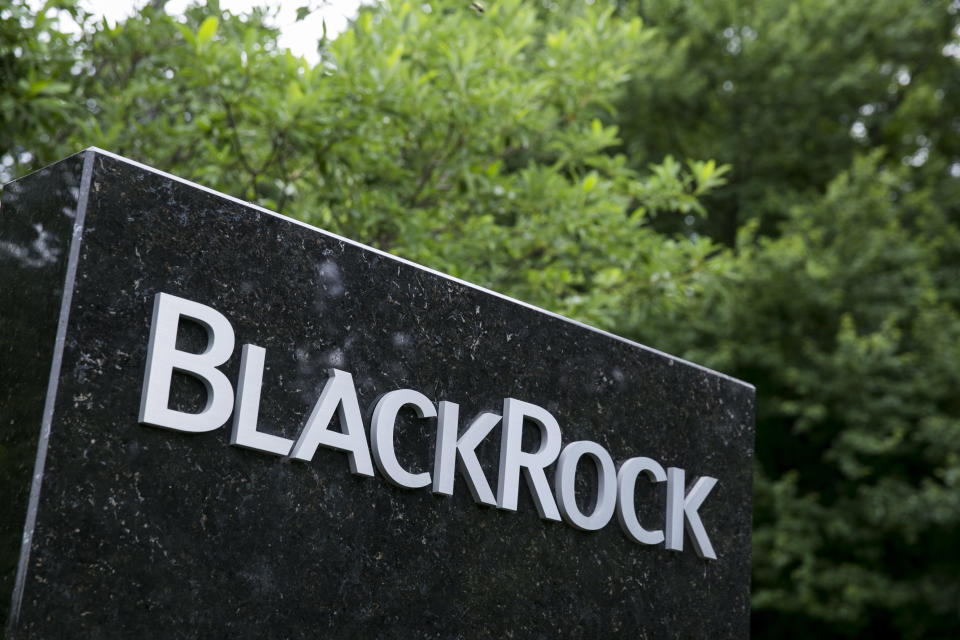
x=247, y=407
x=627, y=483
x=381, y=435
x=163, y=358
x=339, y=395
x=462, y=452
x=606, y=499
x=513, y=459
x=682, y=510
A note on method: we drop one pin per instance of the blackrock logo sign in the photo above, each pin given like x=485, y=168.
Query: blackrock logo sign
x=455, y=449
x=200, y=392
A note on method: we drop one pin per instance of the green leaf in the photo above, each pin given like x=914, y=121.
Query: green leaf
x=185, y=32
x=207, y=30
x=395, y=56
x=590, y=182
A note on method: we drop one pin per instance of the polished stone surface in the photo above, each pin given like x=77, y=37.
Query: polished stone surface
x=155, y=533
x=35, y=231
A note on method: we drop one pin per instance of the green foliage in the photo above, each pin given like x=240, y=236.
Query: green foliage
x=37, y=60
x=473, y=143
x=855, y=352
x=561, y=153
x=789, y=92
x=841, y=302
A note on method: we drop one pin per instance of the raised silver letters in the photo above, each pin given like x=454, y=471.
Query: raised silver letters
x=683, y=510
x=339, y=395
x=381, y=435
x=163, y=358
x=461, y=451
x=627, y=482
x=512, y=459
x=606, y=500
x=247, y=406
x=616, y=490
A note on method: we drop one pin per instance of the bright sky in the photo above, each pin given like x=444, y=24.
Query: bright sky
x=300, y=37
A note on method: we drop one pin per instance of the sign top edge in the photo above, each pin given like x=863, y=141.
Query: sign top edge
x=250, y=205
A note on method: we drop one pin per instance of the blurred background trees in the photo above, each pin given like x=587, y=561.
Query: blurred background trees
x=771, y=189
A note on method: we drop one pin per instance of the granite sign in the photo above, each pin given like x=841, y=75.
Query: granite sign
x=217, y=420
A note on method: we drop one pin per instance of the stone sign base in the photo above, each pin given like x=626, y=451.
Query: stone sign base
x=219, y=422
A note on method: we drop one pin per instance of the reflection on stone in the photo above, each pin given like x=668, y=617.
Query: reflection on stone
x=42, y=251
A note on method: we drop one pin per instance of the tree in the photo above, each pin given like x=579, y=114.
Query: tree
x=36, y=57
x=841, y=300
x=790, y=93
x=471, y=142
x=854, y=348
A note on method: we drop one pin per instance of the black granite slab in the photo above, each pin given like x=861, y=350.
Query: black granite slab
x=137, y=531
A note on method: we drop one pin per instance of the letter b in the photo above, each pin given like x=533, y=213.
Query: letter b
x=163, y=359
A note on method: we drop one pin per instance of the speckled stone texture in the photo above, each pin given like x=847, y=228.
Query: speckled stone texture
x=150, y=533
